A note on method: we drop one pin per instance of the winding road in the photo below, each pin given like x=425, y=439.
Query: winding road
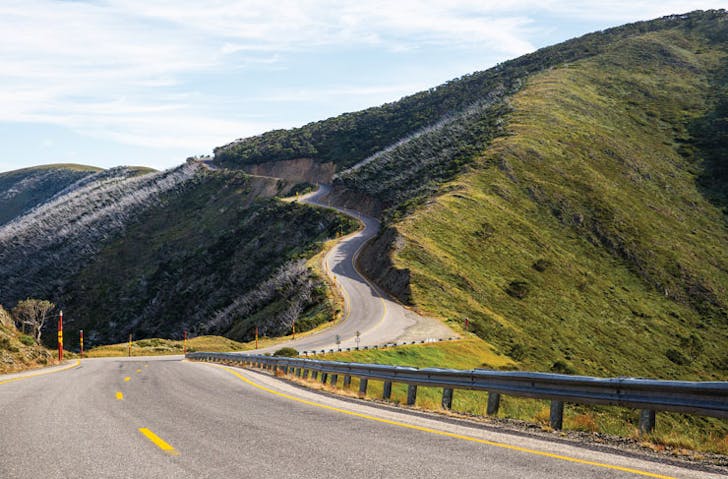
x=172, y=419
x=378, y=318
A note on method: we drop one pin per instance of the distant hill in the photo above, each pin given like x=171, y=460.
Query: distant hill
x=21, y=190
x=571, y=203
x=153, y=254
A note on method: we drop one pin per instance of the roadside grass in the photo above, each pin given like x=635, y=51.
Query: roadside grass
x=677, y=433
x=19, y=351
x=159, y=347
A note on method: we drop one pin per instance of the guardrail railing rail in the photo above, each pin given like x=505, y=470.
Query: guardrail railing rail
x=648, y=395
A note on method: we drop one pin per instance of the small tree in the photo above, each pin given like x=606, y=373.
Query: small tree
x=33, y=313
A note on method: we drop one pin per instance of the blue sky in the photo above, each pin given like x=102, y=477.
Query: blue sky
x=143, y=82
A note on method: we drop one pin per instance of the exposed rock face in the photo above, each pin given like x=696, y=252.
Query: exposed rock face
x=375, y=262
x=298, y=171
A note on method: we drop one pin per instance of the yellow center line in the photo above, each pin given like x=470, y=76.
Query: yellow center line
x=158, y=441
x=127, y=379
x=447, y=434
x=119, y=395
x=74, y=365
x=139, y=370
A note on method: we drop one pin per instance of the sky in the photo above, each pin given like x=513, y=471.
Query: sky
x=145, y=82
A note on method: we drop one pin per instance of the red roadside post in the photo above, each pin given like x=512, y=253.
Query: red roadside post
x=293, y=326
x=129, y=344
x=184, y=343
x=60, y=336
x=81, y=339
x=256, y=336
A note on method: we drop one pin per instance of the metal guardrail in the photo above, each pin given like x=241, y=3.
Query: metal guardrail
x=649, y=395
x=375, y=346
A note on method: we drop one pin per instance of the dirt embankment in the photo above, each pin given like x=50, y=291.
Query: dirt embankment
x=356, y=201
x=296, y=171
x=376, y=264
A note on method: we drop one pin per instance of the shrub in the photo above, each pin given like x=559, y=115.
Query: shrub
x=517, y=351
x=677, y=357
x=286, y=352
x=5, y=343
x=27, y=340
x=562, y=367
x=541, y=265
x=518, y=289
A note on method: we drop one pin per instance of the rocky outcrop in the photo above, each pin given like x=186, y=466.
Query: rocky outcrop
x=375, y=261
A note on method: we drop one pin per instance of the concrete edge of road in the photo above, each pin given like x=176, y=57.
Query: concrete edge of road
x=514, y=427
x=32, y=373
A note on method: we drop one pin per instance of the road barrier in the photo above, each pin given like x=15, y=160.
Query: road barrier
x=375, y=346
x=648, y=395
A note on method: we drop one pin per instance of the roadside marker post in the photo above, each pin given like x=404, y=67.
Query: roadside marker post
x=81, y=341
x=60, y=336
x=184, y=343
x=256, y=336
x=129, y=344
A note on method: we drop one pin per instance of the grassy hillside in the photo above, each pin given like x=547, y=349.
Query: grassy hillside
x=585, y=241
x=207, y=257
x=20, y=190
x=19, y=351
x=348, y=139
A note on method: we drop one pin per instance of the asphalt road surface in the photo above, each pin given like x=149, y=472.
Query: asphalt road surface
x=167, y=418
x=378, y=319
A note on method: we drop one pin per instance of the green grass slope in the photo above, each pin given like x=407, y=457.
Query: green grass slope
x=181, y=262
x=584, y=241
x=21, y=190
x=350, y=138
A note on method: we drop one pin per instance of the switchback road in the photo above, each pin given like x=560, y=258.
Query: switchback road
x=377, y=317
x=167, y=418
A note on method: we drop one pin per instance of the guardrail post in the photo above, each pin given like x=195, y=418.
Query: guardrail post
x=411, y=394
x=347, y=381
x=324, y=377
x=387, y=392
x=314, y=374
x=285, y=370
x=305, y=374
x=647, y=421
x=334, y=379
x=556, y=418
x=363, y=383
x=447, y=398
x=298, y=372
x=493, y=404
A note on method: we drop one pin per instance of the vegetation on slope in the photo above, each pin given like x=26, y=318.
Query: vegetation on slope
x=583, y=241
x=351, y=138
x=19, y=351
x=202, y=248
x=42, y=249
x=21, y=190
